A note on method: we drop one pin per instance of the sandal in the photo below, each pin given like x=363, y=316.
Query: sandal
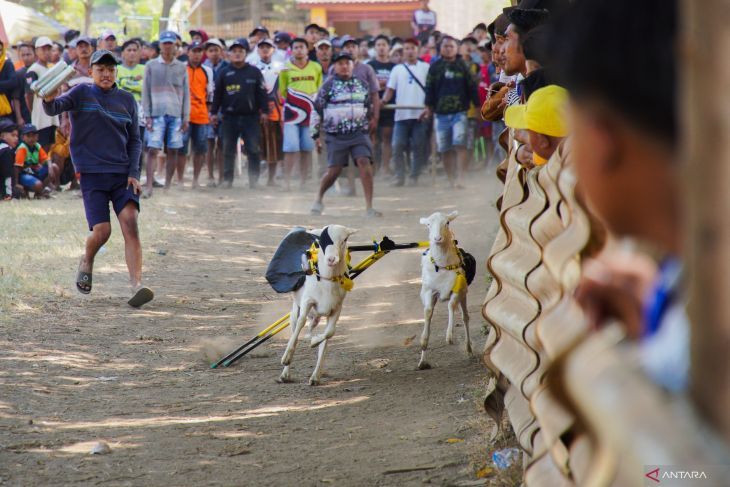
x=142, y=296
x=83, y=280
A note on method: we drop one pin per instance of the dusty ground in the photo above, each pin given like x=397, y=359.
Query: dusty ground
x=76, y=370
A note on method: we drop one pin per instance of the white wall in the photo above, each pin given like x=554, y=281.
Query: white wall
x=458, y=17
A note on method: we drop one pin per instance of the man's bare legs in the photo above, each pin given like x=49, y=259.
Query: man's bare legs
x=170, y=166
x=290, y=159
x=449, y=160
x=132, y=245
x=99, y=236
x=198, y=160
x=462, y=160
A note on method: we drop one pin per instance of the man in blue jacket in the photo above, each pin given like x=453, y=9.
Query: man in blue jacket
x=105, y=148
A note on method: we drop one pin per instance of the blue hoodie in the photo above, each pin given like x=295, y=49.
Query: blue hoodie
x=104, y=129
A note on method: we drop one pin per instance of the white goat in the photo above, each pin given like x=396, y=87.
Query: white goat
x=321, y=296
x=443, y=279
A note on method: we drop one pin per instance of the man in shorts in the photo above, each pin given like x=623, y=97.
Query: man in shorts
x=345, y=106
x=109, y=166
x=166, y=104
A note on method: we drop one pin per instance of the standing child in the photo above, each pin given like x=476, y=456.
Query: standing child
x=33, y=168
x=8, y=142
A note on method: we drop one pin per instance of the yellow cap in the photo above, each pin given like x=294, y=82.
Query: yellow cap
x=544, y=112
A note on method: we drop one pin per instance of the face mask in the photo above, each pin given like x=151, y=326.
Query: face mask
x=539, y=161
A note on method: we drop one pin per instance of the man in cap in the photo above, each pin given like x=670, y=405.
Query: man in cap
x=201, y=82
x=82, y=65
x=240, y=95
x=383, y=66
x=271, y=129
x=311, y=34
x=108, y=41
x=45, y=123
x=324, y=54
x=166, y=104
x=345, y=107
x=283, y=45
x=26, y=54
x=214, y=52
x=109, y=166
x=258, y=34
x=423, y=22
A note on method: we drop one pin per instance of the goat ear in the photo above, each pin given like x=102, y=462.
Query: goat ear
x=316, y=232
x=451, y=216
x=424, y=221
x=350, y=231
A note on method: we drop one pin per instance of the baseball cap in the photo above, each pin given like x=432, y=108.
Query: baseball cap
x=103, y=56
x=266, y=41
x=342, y=55
x=214, y=42
x=257, y=29
x=85, y=39
x=195, y=32
x=544, y=112
x=7, y=126
x=43, y=41
x=323, y=42
x=107, y=34
x=347, y=38
x=282, y=37
x=167, y=36
x=240, y=42
x=28, y=128
x=196, y=45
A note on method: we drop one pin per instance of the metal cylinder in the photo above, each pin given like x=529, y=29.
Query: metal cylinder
x=52, y=85
x=37, y=85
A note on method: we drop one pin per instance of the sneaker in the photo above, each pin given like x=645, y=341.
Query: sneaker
x=373, y=213
x=317, y=208
x=157, y=184
x=211, y=183
x=412, y=183
x=397, y=183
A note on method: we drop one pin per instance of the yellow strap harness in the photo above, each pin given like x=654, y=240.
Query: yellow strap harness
x=460, y=282
x=313, y=261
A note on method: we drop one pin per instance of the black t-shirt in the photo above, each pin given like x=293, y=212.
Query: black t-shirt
x=312, y=54
x=382, y=72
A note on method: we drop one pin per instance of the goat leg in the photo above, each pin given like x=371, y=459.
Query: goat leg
x=427, y=315
x=465, y=317
x=315, y=379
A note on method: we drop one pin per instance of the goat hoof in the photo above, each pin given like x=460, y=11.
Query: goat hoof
x=316, y=340
x=284, y=378
x=468, y=350
x=450, y=340
x=314, y=382
x=423, y=365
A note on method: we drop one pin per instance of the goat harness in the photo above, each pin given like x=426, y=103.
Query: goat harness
x=313, y=264
x=460, y=283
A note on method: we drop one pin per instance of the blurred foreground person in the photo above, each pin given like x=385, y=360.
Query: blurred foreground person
x=625, y=151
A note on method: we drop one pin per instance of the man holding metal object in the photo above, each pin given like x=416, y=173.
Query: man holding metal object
x=105, y=148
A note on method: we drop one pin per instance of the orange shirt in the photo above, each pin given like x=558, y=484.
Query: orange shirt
x=198, y=95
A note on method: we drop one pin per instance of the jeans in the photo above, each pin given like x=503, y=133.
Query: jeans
x=248, y=128
x=409, y=133
x=450, y=131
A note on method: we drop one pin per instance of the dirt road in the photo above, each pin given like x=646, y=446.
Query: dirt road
x=76, y=370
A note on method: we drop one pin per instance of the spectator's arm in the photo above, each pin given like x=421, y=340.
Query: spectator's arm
x=8, y=82
x=134, y=144
x=186, y=98
x=262, y=96
x=430, y=88
x=20, y=155
x=389, y=92
x=217, y=95
x=472, y=89
x=147, y=91
x=283, y=82
x=42, y=156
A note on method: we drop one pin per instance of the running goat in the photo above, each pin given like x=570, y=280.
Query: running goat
x=446, y=272
x=321, y=296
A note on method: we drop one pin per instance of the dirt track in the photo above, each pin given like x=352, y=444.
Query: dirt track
x=77, y=370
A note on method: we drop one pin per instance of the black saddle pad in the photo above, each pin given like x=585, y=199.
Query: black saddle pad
x=470, y=265
x=285, y=272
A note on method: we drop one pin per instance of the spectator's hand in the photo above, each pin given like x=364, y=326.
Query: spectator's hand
x=373, y=126
x=615, y=286
x=318, y=142
x=263, y=118
x=524, y=156
x=425, y=114
x=214, y=121
x=134, y=183
x=184, y=127
x=148, y=123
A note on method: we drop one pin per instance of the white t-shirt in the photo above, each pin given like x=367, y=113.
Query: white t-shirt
x=37, y=116
x=424, y=18
x=407, y=91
